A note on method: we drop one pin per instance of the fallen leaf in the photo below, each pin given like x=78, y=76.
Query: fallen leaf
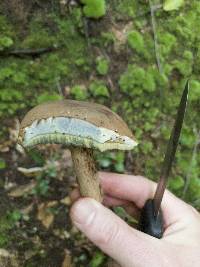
x=27, y=209
x=5, y=147
x=66, y=201
x=9, y=185
x=36, y=240
x=121, y=33
x=8, y=259
x=21, y=190
x=13, y=136
x=29, y=172
x=67, y=260
x=28, y=254
x=20, y=149
x=14, y=132
x=45, y=215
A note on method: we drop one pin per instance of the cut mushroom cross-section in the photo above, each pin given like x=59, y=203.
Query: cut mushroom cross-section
x=82, y=126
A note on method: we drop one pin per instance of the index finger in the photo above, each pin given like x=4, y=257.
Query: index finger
x=139, y=189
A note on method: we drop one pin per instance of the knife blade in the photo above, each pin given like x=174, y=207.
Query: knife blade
x=151, y=221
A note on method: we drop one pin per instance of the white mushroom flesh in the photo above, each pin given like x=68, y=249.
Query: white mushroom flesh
x=72, y=131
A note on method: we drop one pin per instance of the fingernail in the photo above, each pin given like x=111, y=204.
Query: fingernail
x=83, y=211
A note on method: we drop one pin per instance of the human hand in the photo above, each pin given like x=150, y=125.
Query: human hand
x=128, y=246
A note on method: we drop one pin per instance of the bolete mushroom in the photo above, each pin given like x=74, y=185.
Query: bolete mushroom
x=82, y=126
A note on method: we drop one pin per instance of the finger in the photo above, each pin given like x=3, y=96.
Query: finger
x=107, y=200
x=129, y=207
x=112, y=235
x=127, y=187
x=138, y=190
x=113, y=202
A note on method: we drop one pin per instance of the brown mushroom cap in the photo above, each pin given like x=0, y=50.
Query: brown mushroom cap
x=95, y=114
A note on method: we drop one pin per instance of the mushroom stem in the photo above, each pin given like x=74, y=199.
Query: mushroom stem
x=86, y=173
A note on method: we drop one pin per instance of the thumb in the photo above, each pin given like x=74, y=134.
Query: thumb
x=126, y=245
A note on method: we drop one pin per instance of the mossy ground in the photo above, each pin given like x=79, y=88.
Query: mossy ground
x=111, y=61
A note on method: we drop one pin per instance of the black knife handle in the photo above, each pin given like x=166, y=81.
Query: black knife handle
x=149, y=223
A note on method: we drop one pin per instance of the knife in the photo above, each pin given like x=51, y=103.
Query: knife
x=151, y=219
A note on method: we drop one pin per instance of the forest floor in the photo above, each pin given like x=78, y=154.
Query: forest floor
x=50, y=50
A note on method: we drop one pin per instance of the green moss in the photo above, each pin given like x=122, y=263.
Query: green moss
x=177, y=183
x=194, y=189
x=94, y=8
x=125, y=7
x=131, y=78
x=7, y=223
x=136, y=41
x=11, y=101
x=195, y=90
x=170, y=5
x=77, y=17
x=114, y=160
x=135, y=80
x=20, y=77
x=184, y=66
x=102, y=65
x=45, y=97
x=6, y=27
x=79, y=92
x=5, y=42
x=167, y=42
x=107, y=39
x=38, y=38
x=97, y=260
x=98, y=89
x=2, y=164
x=80, y=62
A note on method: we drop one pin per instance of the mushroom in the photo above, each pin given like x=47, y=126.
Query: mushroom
x=83, y=127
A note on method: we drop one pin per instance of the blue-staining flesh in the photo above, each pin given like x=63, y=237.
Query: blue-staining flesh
x=72, y=131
